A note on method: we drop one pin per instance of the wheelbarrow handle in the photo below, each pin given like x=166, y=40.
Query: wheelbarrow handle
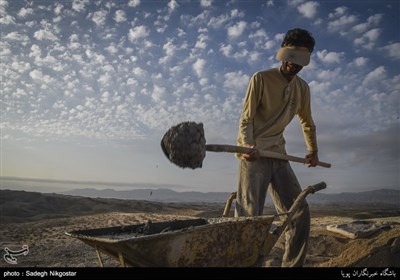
x=317, y=187
x=268, y=154
x=274, y=236
x=309, y=190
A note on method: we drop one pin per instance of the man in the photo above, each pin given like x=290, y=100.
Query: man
x=273, y=98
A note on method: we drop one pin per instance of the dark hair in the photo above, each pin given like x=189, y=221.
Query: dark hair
x=299, y=38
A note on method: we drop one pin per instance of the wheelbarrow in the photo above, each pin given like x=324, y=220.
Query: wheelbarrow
x=195, y=242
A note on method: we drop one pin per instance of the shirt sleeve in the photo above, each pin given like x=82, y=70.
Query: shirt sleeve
x=251, y=101
x=307, y=122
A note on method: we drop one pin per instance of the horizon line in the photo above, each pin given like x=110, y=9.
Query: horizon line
x=153, y=184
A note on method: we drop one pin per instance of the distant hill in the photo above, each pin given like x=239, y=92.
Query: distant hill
x=23, y=206
x=374, y=198
x=164, y=193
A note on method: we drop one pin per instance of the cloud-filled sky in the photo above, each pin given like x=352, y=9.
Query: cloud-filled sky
x=88, y=88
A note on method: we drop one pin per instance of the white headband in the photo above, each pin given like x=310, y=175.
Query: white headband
x=297, y=55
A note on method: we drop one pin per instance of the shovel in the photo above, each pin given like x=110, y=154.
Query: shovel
x=185, y=145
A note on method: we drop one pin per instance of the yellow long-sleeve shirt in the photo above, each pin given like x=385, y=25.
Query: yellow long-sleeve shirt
x=270, y=104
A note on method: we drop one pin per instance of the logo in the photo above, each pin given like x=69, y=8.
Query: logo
x=9, y=256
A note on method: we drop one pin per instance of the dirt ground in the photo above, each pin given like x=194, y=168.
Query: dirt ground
x=49, y=246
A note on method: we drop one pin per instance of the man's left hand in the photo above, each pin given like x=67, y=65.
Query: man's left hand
x=253, y=155
x=312, y=159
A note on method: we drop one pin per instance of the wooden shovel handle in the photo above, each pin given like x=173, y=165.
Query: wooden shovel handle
x=268, y=154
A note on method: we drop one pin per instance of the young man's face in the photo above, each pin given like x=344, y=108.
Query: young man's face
x=291, y=55
x=290, y=69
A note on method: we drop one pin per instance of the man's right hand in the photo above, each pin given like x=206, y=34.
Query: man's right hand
x=253, y=155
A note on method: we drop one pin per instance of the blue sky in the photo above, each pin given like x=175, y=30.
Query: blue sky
x=88, y=88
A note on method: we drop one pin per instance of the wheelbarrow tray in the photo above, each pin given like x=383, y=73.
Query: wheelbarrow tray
x=197, y=242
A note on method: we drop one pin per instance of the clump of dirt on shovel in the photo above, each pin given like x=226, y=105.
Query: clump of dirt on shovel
x=184, y=144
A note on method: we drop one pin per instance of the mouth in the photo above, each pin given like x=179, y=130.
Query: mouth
x=291, y=68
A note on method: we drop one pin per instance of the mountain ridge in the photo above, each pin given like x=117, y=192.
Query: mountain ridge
x=379, y=196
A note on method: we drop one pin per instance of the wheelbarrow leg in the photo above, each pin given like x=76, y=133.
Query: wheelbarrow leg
x=99, y=256
x=228, y=204
x=121, y=259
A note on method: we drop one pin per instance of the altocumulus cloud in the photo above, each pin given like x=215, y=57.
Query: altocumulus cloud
x=127, y=70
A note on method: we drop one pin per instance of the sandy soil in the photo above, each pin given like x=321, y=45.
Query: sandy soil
x=329, y=249
x=49, y=246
